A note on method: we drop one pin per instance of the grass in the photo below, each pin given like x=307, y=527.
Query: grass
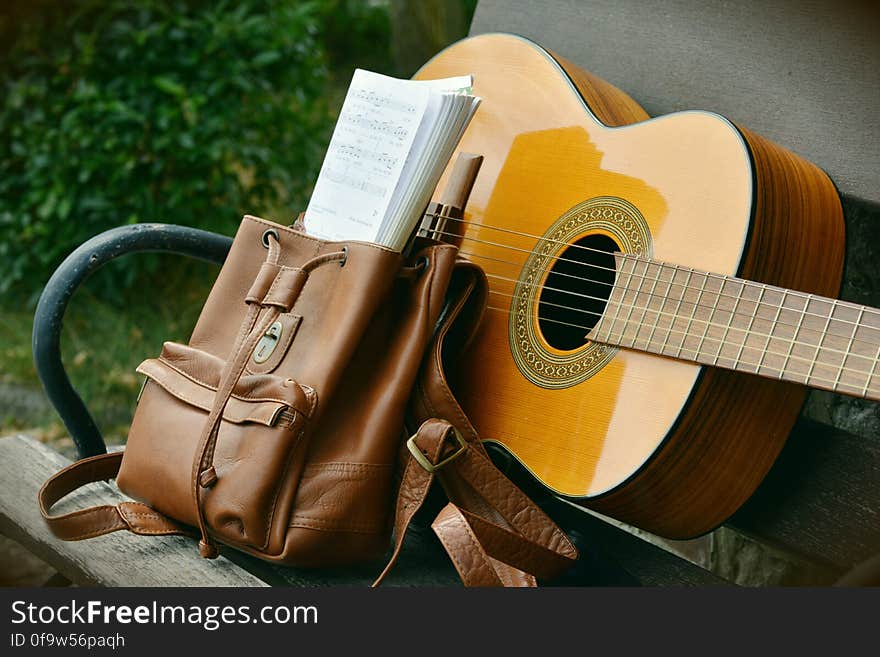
x=102, y=344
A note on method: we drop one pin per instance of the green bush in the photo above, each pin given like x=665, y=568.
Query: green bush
x=130, y=111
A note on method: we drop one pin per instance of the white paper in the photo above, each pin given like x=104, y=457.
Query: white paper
x=373, y=136
x=391, y=144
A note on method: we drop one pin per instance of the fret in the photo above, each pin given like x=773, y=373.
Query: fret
x=748, y=329
x=822, y=335
x=621, y=270
x=659, y=312
x=794, y=338
x=770, y=332
x=690, y=321
x=624, y=261
x=871, y=372
x=718, y=293
x=727, y=327
x=849, y=346
x=840, y=358
x=635, y=300
x=647, y=308
x=684, y=288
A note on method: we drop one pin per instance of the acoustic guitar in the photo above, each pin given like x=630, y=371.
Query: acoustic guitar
x=642, y=272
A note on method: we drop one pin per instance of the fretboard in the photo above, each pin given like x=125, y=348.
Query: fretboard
x=741, y=325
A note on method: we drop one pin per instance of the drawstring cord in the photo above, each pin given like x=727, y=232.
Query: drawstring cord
x=276, y=287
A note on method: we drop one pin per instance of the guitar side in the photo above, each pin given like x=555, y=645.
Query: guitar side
x=671, y=447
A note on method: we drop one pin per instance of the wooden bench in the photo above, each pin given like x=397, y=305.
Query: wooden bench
x=123, y=559
x=803, y=74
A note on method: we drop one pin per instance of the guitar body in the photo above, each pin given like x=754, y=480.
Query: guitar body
x=669, y=446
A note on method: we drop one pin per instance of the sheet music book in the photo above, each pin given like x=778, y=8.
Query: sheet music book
x=390, y=146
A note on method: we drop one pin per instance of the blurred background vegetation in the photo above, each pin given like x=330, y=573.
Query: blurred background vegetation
x=188, y=112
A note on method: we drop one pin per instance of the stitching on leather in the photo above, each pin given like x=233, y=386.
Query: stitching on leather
x=192, y=402
x=325, y=525
x=271, y=515
x=523, y=506
x=207, y=385
x=277, y=283
x=153, y=516
x=157, y=532
x=103, y=529
x=317, y=241
x=81, y=512
x=439, y=362
x=311, y=396
x=314, y=469
x=445, y=533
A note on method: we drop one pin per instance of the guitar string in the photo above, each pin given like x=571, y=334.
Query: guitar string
x=638, y=293
x=835, y=303
x=865, y=389
x=629, y=256
x=835, y=387
x=719, y=294
x=640, y=325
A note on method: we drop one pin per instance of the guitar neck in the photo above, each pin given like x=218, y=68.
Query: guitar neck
x=741, y=325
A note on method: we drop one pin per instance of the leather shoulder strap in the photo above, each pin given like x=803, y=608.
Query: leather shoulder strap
x=494, y=534
x=97, y=520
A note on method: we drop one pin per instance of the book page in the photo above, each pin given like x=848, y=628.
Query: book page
x=375, y=132
x=425, y=139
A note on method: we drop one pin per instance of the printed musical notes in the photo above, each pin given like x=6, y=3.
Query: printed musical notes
x=386, y=155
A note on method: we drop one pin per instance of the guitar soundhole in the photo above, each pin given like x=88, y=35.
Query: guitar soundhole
x=576, y=291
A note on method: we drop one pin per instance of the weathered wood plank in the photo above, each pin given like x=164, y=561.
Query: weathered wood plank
x=119, y=559
x=422, y=563
x=821, y=498
x=612, y=556
x=611, y=553
x=647, y=564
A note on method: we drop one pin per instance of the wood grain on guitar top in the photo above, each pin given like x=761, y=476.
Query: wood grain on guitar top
x=666, y=445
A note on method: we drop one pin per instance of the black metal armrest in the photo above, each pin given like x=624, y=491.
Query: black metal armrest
x=79, y=265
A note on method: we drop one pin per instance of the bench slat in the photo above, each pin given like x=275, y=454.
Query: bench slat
x=118, y=559
x=123, y=559
x=820, y=499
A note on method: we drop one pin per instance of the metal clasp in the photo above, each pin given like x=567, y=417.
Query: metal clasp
x=423, y=461
x=266, y=346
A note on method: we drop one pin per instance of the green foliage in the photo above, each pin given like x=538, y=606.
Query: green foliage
x=130, y=111
x=357, y=34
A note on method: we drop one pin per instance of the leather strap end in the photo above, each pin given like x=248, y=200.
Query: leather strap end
x=145, y=521
x=208, y=550
x=98, y=520
x=208, y=477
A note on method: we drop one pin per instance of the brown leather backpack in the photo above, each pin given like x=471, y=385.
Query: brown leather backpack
x=278, y=429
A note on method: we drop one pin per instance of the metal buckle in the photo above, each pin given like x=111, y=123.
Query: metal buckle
x=423, y=460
